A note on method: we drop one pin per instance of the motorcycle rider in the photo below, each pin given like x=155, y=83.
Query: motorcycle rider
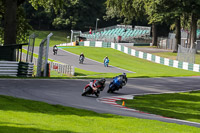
x=55, y=49
x=106, y=61
x=98, y=84
x=123, y=78
x=81, y=56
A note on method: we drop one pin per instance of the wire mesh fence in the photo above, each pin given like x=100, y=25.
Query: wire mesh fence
x=186, y=54
x=60, y=68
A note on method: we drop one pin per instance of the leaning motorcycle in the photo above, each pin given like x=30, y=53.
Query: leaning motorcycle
x=55, y=50
x=106, y=62
x=89, y=89
x=116, y=84
x=81, y=59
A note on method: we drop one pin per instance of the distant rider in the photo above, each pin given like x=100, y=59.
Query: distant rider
x=55, y=49
x=106, y=61
x=81, y=56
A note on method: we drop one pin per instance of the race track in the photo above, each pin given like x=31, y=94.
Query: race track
x=89, y=65
x=68, y=93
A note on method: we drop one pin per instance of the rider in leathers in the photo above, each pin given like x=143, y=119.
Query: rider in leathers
x=124, y=79
x=98, y=84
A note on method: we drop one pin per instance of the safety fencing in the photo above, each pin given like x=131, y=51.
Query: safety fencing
x=149, y=57
x=157, y=59
x=54, y=66
x=95, y=44
x=108, y=44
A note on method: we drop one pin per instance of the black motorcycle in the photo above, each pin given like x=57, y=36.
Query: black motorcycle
x=55, y=50
x=94, y=87
x=81, y=59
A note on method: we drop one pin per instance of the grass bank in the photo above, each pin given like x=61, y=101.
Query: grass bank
x=25, y=116
x=184, y=106
x=58, y=37
x=143, y=68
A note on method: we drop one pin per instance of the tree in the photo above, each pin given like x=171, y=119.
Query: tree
x=135, y=10
x=175, y=10
x=10, y=15
x=79, y=14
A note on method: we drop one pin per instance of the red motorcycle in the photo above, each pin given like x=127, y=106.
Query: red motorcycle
x=94, y=87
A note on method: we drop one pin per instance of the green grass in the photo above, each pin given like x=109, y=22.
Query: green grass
x=25, y=116
x=80, y=73
x=184, y=106
x=57, y=38
x=143, y=68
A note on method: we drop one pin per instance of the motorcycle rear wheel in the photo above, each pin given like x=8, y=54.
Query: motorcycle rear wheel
x=86, y=91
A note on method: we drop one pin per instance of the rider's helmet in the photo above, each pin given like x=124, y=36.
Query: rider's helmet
x=103, y=80
x=124, y=74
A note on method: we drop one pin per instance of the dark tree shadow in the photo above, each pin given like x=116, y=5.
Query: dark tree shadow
x=11, y=129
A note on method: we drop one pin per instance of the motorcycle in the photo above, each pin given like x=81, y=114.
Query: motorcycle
x=106, y=62
x=55, y=50
x=81, y=59
x=92, y=88
x=116, y=84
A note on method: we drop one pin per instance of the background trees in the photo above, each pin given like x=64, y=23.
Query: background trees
x=16, y=16
x=161, y=11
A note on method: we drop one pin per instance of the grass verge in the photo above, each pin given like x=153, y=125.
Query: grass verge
x=184, y=106
x=58, y=37
x=143, y=68
x=25, y=116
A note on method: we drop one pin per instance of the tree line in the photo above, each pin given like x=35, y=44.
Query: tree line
x=178, y=13
x=17, y=17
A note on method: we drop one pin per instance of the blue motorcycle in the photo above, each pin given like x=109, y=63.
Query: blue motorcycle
x=116, y=84
x=106, y=62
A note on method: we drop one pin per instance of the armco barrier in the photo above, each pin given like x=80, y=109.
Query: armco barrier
x=149, y=57
x=8, y=68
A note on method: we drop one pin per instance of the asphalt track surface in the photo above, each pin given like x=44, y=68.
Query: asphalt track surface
x=68, y=93
x=89, y=65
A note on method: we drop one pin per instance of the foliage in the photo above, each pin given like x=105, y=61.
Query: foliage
x=22, y=25
x=39, y=19
x=79, y=14
x=128, y=10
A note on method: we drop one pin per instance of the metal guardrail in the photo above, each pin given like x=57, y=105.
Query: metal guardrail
x=8, y=68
